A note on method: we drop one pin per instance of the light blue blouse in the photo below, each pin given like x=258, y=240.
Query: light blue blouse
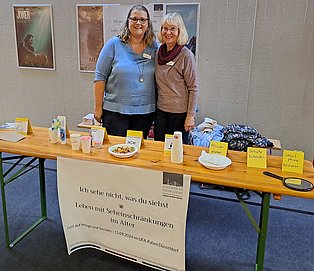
x=121, y=68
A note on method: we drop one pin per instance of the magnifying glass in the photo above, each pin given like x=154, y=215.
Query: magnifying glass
x=294, y=183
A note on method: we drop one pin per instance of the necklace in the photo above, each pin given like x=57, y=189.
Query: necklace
x=141, y=71
x=141, y=79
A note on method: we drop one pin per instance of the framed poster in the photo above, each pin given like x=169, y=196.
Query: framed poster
x=190, y=15
x=114, y=19
x=156, y=12
x=90, y=35
x=34, y=36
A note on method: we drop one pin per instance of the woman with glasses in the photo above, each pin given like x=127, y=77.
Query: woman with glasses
x=124, y=83
x=176, y=77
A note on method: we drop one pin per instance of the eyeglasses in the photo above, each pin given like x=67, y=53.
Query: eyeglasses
x=171, y=29
x=141, y=20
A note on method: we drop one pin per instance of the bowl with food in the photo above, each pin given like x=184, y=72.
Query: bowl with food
x=123, y=150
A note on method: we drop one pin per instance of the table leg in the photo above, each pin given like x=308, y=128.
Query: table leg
x=4, y=206
x=3, y=182
x=42, y=184
x=261, y=244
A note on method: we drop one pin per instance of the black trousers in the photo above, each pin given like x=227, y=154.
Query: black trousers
x=168, y=123
x=117, y=124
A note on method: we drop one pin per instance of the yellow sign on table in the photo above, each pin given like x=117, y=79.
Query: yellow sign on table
x=217, y=147
x=23, y=126
x=256, y=157
x=168, y=143
x=292, y=161
x=134, y=138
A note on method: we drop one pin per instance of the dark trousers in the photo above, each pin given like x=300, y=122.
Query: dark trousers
x=168, y=123
x=117, y=124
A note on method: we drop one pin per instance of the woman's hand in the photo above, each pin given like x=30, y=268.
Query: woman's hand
x=189, y=123
x=98, y=114
x=99, y=89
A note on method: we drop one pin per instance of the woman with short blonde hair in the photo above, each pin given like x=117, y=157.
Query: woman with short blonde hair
x=175, y=19
x=176, y=78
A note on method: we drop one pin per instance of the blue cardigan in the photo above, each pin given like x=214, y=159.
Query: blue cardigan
x=121, y=68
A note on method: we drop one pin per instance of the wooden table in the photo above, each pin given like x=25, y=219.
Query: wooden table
x=151, y=156
x=276, y=142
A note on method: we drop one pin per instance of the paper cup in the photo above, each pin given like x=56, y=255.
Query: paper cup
x=86, y=143
x=75, y=141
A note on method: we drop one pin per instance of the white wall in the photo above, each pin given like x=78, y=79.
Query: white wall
x=256, y=66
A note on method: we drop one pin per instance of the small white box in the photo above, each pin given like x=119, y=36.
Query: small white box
x=88, y=119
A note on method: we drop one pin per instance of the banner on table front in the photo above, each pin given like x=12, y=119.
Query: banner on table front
x=137, y=214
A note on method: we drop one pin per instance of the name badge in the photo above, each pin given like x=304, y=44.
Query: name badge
x=170, y=63
x=147, y=56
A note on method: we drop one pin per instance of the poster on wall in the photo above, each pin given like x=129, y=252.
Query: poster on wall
x=157, y=12
x=89, y=35
x=133, y=213
x=190, y=16
x=34, y=36
x=114, y=19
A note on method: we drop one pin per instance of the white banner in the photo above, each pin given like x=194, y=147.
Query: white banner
x=137, y=214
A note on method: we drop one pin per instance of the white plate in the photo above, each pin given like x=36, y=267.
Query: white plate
x=112, y=149
x=214, y=161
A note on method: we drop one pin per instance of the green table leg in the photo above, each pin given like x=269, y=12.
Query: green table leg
x=42, y=184
x=4, y=206
x=4, y=182
x=261, y=244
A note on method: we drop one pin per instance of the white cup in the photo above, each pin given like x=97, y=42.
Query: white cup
x=53, y=135
x=86, y=143
x=177, y=148
x=75, y=141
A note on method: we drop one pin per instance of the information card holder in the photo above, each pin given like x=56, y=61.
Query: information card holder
x=257, y=157
x=63, y=131
x=293, y=161
x=23, y=126
x=217, y=147
x=98, y=134
x=134, y=138
x=168, y=143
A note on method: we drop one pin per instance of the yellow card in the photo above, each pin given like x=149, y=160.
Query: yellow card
x=168, y=143
x=134, y=133
x=294, y=181
x=217, y=147
x=292, y=161
x=98, y=133
x=256, y=157
x=134, y=138
x=23, y=126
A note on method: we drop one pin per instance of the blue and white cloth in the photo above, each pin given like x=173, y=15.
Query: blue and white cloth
x=204, y=133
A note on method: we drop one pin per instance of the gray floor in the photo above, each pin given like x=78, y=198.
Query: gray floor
x=219, y=235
